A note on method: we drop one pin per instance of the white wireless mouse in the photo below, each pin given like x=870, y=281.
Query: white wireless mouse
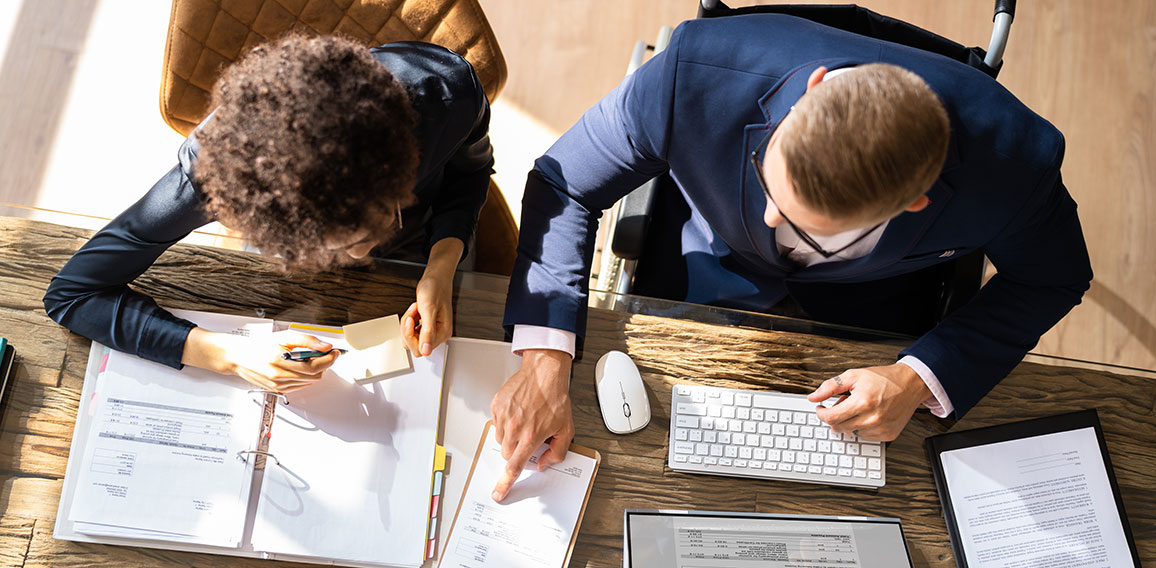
x=621, y=395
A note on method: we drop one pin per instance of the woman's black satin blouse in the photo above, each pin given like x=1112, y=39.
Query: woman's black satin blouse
x=91, y=294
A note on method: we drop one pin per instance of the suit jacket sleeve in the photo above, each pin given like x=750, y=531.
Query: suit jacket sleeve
x=615, y=147
x=91, y=294
x=466, y=179
x=1043, y=271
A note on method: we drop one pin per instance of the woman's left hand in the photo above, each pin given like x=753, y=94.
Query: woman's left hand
x=429, y=321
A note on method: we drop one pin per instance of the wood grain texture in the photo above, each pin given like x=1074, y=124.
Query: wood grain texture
x=41, y=406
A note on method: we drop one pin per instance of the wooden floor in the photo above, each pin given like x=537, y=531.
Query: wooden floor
x=80, y=130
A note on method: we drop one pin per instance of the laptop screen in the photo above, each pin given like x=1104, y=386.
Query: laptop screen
x=704, y=539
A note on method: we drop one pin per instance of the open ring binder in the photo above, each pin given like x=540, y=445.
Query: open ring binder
x=244, y=458
x=280, y=395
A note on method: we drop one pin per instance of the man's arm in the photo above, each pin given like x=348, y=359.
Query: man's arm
x=1043, y=272
x=615, y=147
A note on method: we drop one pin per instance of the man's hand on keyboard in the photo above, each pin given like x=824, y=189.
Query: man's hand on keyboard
x=881, y=400
x=532, y=406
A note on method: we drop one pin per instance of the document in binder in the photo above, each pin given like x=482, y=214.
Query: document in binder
x=336, y=473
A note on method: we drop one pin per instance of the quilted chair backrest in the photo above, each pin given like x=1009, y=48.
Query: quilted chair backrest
x=206, y=35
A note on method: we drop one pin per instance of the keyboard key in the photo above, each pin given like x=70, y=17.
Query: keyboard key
x=743, y=413
x=803, y=458
x=772, y=416
x=687, y=409
x=695, y=459
x=750, y=427
x=697, y=397
x=713, y=394
x=774, y=456
x=771, y=466
x=807, y=431
x=743, y=399
x=874, y=475
x=831, y=460
x=728, y=398
x=860, y=473
x=746, y=452
x=686, y=421
x=710, y=436
x=760, y=454
x=733, y=452
x=795, y=443
x=871, y=450
x=799, y=418
x=758, y=414
x=728, y=412
x=813, y=420
x=702, y=449
x=724, y=437
x=781, y=442
x=793, y=431
x=825, y=446
x=696, y=435
x=680, y=458
x=830, y=471
x=767, y=441
x=707, y=423
x=680, y=434
x=719, y=423
x=740, y=463
x=846, y=461
x=710, y=460
x=852, y=449
x=764, y=428
x=735, y=425
x=683, y=448
x=724, y=461
x=821, y=433
x=799, y=468
x=716, y=450
x=713, y=411
x=817, y=470
x=844, y=472
x=874, y=464
x=682, y=390
x=788, y=456
x=738, y=439
x=839, y=447
x=860, y=463
x=778, y=429
x=755, y=464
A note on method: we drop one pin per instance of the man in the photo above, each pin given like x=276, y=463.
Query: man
x=891, y=160
x=318, y=151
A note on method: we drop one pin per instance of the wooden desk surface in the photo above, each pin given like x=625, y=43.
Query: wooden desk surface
x=41, y=405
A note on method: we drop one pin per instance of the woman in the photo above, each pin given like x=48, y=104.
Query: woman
x=318, y=151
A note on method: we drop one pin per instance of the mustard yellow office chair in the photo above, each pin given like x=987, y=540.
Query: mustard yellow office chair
x=205, y=36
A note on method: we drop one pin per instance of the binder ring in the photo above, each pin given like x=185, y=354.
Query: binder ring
x=244, y=458
x=280, y=395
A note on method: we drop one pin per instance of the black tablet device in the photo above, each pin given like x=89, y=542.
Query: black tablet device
x=1037, y=492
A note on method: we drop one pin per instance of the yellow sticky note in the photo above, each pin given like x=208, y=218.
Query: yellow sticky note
x=378, y=348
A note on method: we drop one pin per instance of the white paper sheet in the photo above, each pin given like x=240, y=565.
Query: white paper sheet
x=532, y=527
x=162, y=453
x=355, y=469
x=1039, y=501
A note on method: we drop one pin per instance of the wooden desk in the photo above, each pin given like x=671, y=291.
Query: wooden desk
x=43, y=398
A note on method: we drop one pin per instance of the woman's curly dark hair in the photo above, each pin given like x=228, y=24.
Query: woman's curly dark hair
x=311, y=141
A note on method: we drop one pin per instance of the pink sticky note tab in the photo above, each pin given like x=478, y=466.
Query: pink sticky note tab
x=103, y=362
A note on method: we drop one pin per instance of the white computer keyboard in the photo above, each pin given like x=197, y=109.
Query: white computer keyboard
x=767, y=435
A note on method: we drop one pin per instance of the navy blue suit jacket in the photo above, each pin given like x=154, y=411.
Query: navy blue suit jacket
x=91, y=294
x=701, y=106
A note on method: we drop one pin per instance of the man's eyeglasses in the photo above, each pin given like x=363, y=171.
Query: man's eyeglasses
x=757, y=162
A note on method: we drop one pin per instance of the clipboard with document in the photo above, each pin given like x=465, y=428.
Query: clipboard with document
x=537, y=523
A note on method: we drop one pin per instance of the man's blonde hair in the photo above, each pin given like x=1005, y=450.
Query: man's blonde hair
x=866, y=144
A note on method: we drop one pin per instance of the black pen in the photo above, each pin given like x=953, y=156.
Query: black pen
x=308, y=354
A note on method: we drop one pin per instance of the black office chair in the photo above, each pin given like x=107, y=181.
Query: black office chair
x=633, y=239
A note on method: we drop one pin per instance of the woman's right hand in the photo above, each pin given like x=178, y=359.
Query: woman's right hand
x=258, y=361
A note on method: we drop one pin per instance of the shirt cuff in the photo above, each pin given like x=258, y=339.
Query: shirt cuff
x=540, y=337
x=937, y=403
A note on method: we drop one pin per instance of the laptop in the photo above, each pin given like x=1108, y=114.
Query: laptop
x=708, y=539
